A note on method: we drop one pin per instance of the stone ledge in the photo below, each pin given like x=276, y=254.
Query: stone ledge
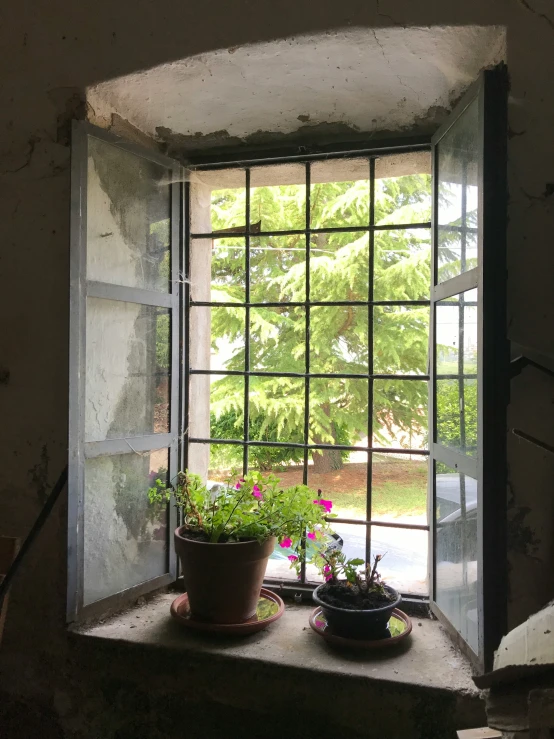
x=426, y=683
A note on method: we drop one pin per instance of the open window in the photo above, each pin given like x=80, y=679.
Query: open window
x=469, y=365
x=307, y=295
x=124, y=368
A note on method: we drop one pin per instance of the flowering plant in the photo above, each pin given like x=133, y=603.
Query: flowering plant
x=251, y=507
x=334, y=564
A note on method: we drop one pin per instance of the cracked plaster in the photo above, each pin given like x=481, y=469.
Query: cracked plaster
x=340, y=83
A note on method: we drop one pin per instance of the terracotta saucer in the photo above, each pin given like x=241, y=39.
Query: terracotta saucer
x=270, y=608
x=400, y=626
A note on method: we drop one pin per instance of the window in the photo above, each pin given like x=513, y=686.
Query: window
x=469, y=370
x=318, y=318
x=278, y=314
x=124, y=373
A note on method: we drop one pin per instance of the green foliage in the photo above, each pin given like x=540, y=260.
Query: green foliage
x=448, y=414
x=339, y=269
x=229, y=425
x=162, y=340
x=253, y=507
x=334, y=564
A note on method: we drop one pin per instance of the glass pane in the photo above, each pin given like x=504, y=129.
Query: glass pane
x=227, y=270
x=227, y=189
x=400, y=340
x=456, y=394
x=404, y=566
x=276, y=410
x=339, y=193
x=216, y=407
x=278, y=339
x=125, y=538
x=402, y=264
x=278, y=197
x=348, y=538
x=127, y=369
x=278, y=269
x=456, y=406
x=399, y=494
x=399, y=487
x=456, y=335
x=338, y=415
x=458, y=195
x=226, y=328
x=342, y=478
x=128, y=218
x=217, y=271
x=403, y=188
x=215, y=463
x=339, y=266
x=456, y=550
x=400, y=413
x=338, y=339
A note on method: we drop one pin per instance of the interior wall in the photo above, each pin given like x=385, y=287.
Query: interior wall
x=51, y=53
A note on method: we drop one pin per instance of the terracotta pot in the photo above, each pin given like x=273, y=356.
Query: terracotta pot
x=223, y=581
x=370, y=624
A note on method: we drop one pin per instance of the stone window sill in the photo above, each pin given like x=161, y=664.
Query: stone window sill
x=288, y=661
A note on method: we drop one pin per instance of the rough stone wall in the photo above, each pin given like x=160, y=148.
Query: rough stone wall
x=51, y=53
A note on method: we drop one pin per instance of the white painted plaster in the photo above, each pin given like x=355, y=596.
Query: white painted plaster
x=530, y=643
x=371, y=80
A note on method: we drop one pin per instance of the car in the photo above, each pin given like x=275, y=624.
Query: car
x=332, y=541
x=456, y=535
x=449, y=493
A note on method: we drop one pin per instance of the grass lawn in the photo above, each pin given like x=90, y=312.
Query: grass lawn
x=399, y=489
x=387, y=499
x=399, y=486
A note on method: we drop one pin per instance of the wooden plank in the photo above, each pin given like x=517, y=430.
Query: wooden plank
x=483, y=733
x=8, y=549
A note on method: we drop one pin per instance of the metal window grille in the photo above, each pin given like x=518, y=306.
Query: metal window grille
x=308, y=375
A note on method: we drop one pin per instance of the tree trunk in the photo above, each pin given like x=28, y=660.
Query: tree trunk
x=327, y=460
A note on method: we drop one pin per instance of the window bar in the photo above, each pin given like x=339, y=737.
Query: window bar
x=186, y=293
x=320, y=375
x=246, y=327
x=371, y=266
x=296, y=445
x=265, y=158
x=329, y=230
x=307, y=357
x=461, y=385
x=292, y=304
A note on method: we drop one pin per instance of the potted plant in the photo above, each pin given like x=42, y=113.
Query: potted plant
x=358, y=606
x=228, y=533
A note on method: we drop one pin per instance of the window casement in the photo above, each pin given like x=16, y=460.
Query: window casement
x=177, y=323
x=124, y=368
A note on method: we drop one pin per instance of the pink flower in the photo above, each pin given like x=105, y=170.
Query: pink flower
x=327, y=569
x=328, y=577
x=238, y=486
x=256, y=492
x=286, y=543
x=292, y=557
x=327, y=504
x=311, y=535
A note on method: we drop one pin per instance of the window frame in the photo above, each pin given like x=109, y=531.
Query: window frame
x=80, y=288
x=292, y=587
